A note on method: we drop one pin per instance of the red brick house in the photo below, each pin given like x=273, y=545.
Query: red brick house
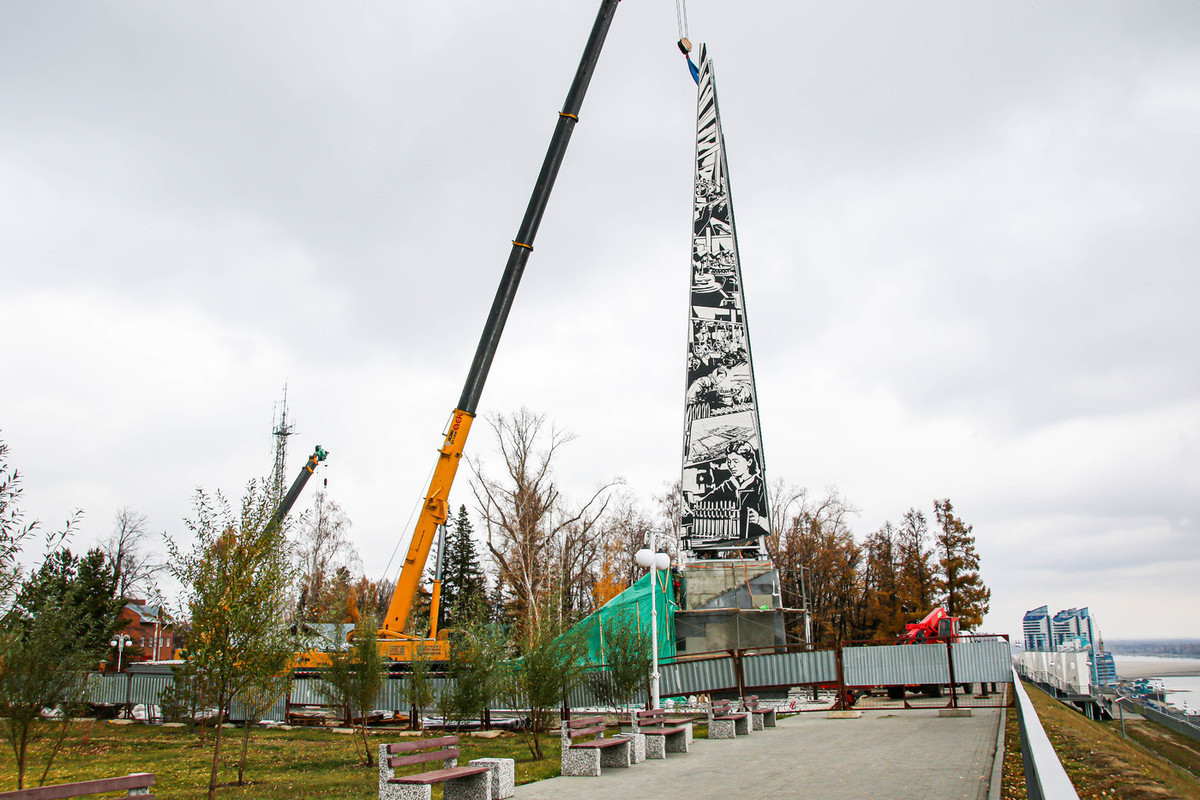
x=149, y=628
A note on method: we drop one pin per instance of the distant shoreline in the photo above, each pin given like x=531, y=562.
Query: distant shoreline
x=1133, y=667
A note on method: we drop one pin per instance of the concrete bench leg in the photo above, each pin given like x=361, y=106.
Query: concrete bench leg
x=580, y=762
x=397, y=791
x=472, y=787
x=690, y=734
x=503, y=774
x=743, y=726
x=409, y=791
x=637, y=748
x=678, y=742
x=656, y=746
x=769, y=718
x=757, y=718
x=722, y=729
x=620, y=756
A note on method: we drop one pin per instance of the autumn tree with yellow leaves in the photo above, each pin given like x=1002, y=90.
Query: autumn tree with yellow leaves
x=236, y=580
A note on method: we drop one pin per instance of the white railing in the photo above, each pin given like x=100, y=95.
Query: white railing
x=1045, y=778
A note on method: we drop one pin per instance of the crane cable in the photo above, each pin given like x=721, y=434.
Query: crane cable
x=681, y=20
x=684, y=43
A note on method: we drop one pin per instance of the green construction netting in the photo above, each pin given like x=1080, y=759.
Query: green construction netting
x=636, y=600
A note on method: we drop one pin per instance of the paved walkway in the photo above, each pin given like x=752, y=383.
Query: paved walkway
x=907, y=755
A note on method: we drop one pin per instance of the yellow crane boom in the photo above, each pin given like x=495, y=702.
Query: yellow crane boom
x=394, y=643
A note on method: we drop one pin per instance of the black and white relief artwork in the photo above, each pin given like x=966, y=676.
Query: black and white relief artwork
x=725, y=509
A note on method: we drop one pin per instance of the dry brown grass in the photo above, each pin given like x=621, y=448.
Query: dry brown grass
x=1099, y=762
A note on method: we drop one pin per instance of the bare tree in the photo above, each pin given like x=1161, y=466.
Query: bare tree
x=327, y=559
x=813, y=535
x=577, y=553
x=915, y=566
x=537, y=543
x=128, y=551
x=883, y=615
x=627, y=530
x=670, y=514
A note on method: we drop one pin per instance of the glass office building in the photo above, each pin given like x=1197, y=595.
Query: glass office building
x=1036, y=627
x=1073, y=629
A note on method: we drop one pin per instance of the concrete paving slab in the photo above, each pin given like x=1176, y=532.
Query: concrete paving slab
x=882, y=756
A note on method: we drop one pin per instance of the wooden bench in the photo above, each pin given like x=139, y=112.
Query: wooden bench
x=724, y=723
x=458, y=783
x=762, y=717
x=136, y=785
x=585, y=757
x=660, y=739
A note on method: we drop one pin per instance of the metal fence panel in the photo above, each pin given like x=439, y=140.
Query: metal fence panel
x=893, y=665
x=392, y=694
x=276, y=713
x=307, y=692
x=589, y=695
x=790, y=669
x=689, y=677
x=105, y=690
x=145, y=688
x=982, y=661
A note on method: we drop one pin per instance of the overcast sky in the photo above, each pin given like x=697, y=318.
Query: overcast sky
x=965, y=230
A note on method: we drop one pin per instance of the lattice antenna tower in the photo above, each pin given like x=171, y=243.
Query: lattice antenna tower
x=281, y=429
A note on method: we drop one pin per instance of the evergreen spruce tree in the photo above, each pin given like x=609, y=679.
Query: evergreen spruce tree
x=957, y=579
x=87, y=585
x=463, y=582
x=498, y=605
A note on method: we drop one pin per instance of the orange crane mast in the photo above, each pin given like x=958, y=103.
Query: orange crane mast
x=394, y=642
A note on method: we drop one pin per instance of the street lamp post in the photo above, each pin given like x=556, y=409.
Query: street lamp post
x=653, y=561
x=120, y=642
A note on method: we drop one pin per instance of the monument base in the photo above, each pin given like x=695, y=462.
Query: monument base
x=729, y=604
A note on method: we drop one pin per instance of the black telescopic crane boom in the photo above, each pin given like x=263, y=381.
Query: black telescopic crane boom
x=435, y=510
x=289, y=499
x=523, y=244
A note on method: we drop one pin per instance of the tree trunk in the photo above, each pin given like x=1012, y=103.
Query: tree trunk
x=197, y=712
x=58, y=743
x=367, y=745
x=212, y=780
x=245, y=747
x=22, y=755
x=531, y=735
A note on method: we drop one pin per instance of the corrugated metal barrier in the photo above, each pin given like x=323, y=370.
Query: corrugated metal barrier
x=982, y=660
x=895, y=665
x=692, y=677
x=790, y=669
x=976, y=661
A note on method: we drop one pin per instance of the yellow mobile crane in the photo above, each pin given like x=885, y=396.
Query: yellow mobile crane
x=394, y=643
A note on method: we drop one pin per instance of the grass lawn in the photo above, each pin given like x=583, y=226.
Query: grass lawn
x=282, y=765
x=1098, y=761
